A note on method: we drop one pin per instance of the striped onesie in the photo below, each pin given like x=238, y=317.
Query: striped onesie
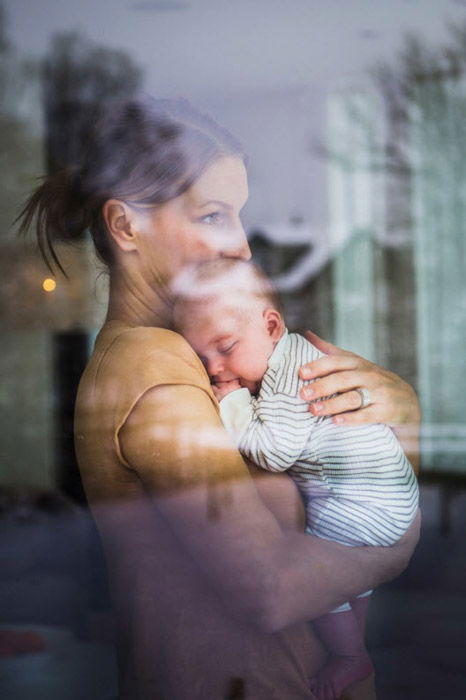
x=357, y=486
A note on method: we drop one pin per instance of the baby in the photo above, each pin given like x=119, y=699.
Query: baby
x=357, y=486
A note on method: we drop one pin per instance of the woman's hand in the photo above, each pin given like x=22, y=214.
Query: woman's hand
x=341, y=373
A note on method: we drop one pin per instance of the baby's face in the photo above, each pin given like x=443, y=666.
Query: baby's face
x=234, y=344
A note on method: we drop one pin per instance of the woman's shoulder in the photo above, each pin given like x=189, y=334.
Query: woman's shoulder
x=117, y=338
x=145, y=355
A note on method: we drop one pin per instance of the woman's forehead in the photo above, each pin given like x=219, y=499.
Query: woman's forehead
x=224, y=181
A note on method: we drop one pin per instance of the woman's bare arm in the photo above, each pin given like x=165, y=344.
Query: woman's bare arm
x=176, y=443
x=393, y=401
x=281, y=497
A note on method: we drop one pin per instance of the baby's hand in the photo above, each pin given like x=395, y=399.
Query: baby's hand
x=221, y=389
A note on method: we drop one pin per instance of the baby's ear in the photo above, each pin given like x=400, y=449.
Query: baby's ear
x=274, y=323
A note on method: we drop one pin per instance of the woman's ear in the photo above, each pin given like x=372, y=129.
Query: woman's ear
x=118, y=218
x=274, y=323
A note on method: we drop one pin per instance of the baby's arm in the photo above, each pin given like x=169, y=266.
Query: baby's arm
x=271, y=430
x=278, y=431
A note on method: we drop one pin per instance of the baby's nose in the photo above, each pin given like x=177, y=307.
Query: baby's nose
x=214, y=367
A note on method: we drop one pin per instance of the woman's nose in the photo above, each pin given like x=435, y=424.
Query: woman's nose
x=239, y=246
x=244, y=252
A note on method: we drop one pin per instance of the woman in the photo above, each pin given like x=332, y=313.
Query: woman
x=212, y=578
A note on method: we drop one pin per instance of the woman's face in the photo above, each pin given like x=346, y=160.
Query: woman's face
x=201, y=224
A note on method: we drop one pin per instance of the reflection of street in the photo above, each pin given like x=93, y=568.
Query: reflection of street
x=69, y=669
x=52, y=588
x=417, y=623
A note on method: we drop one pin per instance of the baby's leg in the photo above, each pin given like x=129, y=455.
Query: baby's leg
x=348, y=660
x=359, y=606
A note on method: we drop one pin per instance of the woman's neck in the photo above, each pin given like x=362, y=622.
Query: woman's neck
x=134, y=302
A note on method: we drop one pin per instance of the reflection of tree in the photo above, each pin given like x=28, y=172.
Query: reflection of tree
x=401, y=87
x=20, y=146
x=78, y=78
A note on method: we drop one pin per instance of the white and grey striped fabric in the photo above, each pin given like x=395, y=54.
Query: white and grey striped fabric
x=357, y=485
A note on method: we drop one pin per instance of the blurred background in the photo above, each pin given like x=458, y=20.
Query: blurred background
x=353, y=114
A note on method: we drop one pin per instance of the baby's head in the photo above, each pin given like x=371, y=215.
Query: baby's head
x=230, y=314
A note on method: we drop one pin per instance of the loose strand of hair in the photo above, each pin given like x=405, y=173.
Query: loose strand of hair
x=49, y=208
x=35, y=210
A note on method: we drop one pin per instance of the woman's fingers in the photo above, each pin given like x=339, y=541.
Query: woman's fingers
x=341, y=404
x=392, y=400
x=321, y=344
x=339, y=382
x=338, y=374
x=332, y=363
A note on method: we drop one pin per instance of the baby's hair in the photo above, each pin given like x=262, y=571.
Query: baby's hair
x=227, y=279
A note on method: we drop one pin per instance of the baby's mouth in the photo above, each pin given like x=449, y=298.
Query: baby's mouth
x=223, y=380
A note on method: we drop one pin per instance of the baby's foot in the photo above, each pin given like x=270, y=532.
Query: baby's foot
x=338, y=673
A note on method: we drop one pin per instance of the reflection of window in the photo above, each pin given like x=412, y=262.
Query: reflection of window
x=400, y=239
x=439, y=135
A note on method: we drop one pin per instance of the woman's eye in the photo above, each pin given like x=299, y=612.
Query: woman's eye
x=214, y=218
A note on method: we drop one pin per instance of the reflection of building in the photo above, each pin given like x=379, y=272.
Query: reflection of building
x=44, y=338
x=299, y=268
x=306, y=282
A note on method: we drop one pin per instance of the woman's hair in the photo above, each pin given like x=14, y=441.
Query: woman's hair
x=147, y=151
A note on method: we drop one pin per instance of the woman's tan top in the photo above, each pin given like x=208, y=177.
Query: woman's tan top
x=176, y=639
